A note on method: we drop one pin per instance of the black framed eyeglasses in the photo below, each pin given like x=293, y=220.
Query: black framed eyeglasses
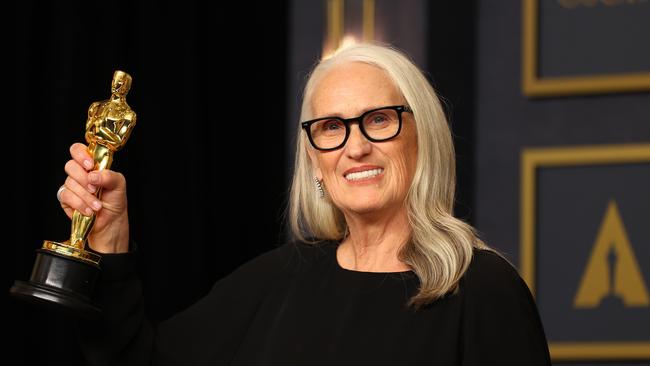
x=379, y=124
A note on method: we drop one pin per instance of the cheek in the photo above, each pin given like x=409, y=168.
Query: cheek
x=410, y=154
x=412, y=158
x=406, y=161
x=328, y=162
x=404, y=173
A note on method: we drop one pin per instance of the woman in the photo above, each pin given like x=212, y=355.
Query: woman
x=381, y=273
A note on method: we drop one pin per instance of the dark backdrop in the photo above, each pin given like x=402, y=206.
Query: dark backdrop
x=205, y=164
x=451, y=65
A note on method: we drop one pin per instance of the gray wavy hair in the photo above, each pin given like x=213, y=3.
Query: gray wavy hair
x=440, y=247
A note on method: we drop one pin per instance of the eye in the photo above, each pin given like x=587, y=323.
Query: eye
x=331, y=125
x=379, y=118
x=376, y=119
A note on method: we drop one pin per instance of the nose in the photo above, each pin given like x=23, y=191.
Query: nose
x=357, y=145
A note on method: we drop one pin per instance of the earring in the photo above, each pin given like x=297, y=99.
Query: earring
x=319, y=188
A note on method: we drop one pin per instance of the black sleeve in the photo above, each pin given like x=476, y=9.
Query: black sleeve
x=501, y=324
x=122, y=335
x=208, y=332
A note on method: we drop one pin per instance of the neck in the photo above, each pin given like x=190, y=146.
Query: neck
x=116, y=97
x=373, y=243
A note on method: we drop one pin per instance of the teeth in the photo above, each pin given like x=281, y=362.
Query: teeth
x=364, y=174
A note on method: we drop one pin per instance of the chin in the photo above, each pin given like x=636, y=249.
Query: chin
x=362, y=201
x=362, y=205
x=365, y=207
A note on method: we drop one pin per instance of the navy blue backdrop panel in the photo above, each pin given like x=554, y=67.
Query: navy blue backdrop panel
x=588, y=315
x=578, y=38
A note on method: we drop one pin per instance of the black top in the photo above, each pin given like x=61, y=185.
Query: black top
x=295, y=305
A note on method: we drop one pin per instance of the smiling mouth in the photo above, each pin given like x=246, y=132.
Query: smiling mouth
x=366, y=174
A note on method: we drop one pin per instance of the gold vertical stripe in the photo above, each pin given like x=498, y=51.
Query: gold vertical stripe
x=527, y=206
x=334, y=24
x=368, y=20
x=529, y=46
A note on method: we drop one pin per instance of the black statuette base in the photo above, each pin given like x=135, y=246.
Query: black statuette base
x=61, y=282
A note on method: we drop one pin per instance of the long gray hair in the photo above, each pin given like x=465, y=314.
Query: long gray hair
x=440, y=248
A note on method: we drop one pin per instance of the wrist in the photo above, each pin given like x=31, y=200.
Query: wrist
x=112, y=239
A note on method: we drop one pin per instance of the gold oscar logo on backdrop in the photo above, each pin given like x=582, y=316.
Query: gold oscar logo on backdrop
x=607, y=301
x=612, y=270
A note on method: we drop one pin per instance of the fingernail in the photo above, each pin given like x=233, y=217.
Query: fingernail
x=88, y=211
x=91, y=188
x=97, y=205
x=93, y=177
x=88, y=164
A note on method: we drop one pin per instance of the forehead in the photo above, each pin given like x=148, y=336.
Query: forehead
x=353, y=87
x=120, y=77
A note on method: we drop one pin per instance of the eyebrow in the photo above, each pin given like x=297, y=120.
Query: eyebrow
x=339, y=115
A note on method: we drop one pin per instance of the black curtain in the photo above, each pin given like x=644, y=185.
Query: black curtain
x=452, y=61
x=205, y=165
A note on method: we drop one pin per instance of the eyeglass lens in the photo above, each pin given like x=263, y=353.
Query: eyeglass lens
x=379, y=125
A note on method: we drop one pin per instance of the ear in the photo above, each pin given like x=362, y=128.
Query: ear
x=315, y=163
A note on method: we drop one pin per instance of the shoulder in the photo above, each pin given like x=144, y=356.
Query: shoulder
x=490, y=273
x=249, y=282
x=485, y=260
x=287, y=258
x=501, y=323
x=94, y=106
x=493, y=289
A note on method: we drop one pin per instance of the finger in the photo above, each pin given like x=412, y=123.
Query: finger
x=108, y=179
x=71, y=202
x=79, y=174
x=77, y=197
x=67, y=209
x=79, y=153
x=58, y=193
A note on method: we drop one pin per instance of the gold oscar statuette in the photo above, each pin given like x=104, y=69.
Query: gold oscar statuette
x=64, y=273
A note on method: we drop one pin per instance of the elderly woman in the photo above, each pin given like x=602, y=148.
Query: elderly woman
x=381, y=272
